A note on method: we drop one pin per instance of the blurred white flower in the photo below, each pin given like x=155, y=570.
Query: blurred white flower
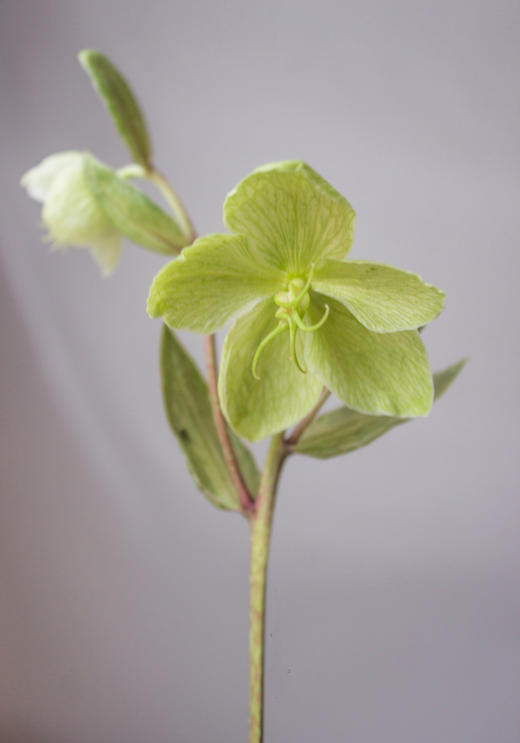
x=70, y=212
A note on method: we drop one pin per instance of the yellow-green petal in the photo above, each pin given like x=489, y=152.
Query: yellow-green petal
x=377, y=373
x=282, y=395
x=292, y=215
x=344, y=430
x=210, y=282
x=383, y=298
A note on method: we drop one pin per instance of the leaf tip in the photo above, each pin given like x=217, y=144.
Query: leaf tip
x=86, y=58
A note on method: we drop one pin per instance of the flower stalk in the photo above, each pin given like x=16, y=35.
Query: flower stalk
x=298, y=430
x=174, y=202
x=259, y=512
x=260, y=527
x=244, y=496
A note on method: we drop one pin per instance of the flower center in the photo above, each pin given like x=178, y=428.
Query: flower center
x=292, y=305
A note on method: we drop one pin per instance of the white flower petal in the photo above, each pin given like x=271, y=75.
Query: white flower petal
x=106, y=253
x=39, y=180
x=70, y=213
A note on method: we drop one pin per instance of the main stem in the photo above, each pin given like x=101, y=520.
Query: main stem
x=259, y=512
x=260, y=525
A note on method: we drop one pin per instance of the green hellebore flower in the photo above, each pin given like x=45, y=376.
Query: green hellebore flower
x=306, y=317
x=70, y=212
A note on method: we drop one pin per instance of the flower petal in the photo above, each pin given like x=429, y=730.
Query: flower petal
x=383, y=298
x=371, y=372
x=211, y=281
x=106, y=253
x=282, y=395
x=130, y=211
x=70, y=212
x=38, y=180
x=292, y=215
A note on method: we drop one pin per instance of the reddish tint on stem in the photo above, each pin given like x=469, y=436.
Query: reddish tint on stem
x=246, y=500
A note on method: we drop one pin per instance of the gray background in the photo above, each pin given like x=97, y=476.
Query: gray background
x=393, y=602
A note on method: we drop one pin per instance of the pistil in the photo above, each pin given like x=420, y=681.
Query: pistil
x=292, y=305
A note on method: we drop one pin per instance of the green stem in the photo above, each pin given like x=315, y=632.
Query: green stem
x=174, y=202
x=260, y=522
x=302, y=425
x=131, y=171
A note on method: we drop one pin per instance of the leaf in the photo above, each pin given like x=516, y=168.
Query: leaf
x=443, y=379
x=188, y=409
x=120, y=102
x=343, y=430
x=132, y=213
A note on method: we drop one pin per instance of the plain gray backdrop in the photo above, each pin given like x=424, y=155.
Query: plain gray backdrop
x=393, y=604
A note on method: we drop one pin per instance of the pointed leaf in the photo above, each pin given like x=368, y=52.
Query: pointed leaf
x=344, y=430
x=132, y=213
x=443, y=379
x=188, y=408
x=121, y=103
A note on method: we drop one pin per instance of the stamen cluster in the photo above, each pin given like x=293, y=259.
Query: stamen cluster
x=292, y=304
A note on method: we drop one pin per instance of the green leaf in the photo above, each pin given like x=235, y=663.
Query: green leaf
x=257, y=408
x=443, y=379
x=121, y=103
x=344, y=430
x=383, y=298
x=376, y=373
x=132, y=213
x=211, y=281
x=188, y=408
x=292, y=215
